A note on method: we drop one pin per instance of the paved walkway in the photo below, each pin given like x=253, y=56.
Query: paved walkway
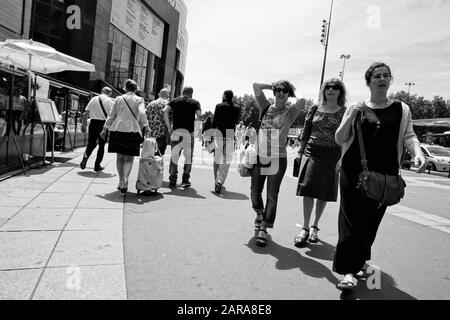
x=66, y=233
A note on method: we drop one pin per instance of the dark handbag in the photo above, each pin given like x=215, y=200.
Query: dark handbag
x=297, y=163
x=304, y=137
x=386, y=189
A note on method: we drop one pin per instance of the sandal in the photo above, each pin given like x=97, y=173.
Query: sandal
x=363, y=273
x=313, y=236
x=300, y=241
x=261, y=239
x=347, y=284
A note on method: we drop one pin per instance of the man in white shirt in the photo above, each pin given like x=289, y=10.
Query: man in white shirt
x=98, y=110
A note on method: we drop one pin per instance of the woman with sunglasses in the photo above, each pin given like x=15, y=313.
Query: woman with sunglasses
x=318, y=179
x=387, y=129
x=271, y=147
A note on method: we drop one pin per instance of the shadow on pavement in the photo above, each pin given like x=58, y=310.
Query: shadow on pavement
x=187, y=192
x=115, y=196
x=93, y=174
x=387, y=291
x=143, y=198
x=228, y=195
x=292, y=259
x=321, y=250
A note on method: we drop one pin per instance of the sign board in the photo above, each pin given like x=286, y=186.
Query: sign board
x=74, y=102
x=137, y=21
x=47, y=111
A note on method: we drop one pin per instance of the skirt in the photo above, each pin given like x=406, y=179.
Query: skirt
x=318, y=178
x=126, y=143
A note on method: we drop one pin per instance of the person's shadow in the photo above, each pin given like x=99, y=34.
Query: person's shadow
x=143, y=198
x=292, y=259
x=371, y=289
x=182, y=192
x=320, y=250
x=228, y=195
x=93, y=174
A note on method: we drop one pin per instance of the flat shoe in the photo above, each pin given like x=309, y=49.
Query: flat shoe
x=346, y=285
x=302, y=238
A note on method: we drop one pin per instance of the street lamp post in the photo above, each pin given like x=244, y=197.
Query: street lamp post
x=345, y=57
x=409, y=84
x=326, y=26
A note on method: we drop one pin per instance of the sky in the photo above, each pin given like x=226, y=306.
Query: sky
x=234, y=43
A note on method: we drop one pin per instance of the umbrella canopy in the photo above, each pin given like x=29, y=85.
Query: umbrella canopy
x=39, y=57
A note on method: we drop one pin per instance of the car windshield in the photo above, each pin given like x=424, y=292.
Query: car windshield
x=439, y=151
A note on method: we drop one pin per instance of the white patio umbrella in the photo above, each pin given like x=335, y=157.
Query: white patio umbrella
x=38, y=57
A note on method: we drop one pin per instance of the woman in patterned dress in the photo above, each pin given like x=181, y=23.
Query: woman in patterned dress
x=318, y=179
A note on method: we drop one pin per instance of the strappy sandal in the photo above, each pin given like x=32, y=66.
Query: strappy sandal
x=301, y=239
x=313, y=236
x=261, y=239
x=347, y=284
x=363, y=273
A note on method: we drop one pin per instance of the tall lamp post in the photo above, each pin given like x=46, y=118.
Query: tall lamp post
x=326, y=26
x=345, y=57
x=409, y=84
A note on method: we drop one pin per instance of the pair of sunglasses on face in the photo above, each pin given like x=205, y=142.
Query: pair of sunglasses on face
x=334, y=87
x=278, y=90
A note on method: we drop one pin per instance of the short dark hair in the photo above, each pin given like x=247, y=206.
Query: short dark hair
x=188, y=90
x=285, y=84
x=228, y=95
x=373, y=67
x=131, y=86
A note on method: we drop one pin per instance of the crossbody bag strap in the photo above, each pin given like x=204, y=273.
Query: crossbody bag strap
x=362, y=149
x=130, y=108
x=262, y=116
x=310, y=120
x=103, y=108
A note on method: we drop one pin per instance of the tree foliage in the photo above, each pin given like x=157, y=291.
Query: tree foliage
x=422, y=108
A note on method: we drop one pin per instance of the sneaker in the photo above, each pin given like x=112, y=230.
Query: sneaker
x=99, y=168
x=83, y=163
x=218, y=187
x=172, y=185
x=186, y=184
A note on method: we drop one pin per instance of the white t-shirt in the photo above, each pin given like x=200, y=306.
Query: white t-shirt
x=95, y=109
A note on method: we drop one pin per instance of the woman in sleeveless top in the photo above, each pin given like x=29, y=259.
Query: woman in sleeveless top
x=318, y=179
x=387, y=130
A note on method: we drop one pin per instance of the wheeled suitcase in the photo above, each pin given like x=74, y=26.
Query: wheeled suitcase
x=151, y=168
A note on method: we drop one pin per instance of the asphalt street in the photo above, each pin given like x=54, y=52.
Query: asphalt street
x=67, y=233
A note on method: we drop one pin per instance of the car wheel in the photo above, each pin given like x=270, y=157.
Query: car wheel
x=431, y=167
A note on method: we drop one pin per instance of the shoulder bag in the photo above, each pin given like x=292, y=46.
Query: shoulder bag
x=386, y=189
x=298, y=160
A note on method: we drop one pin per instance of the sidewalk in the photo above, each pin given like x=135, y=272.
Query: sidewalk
x=59, y=223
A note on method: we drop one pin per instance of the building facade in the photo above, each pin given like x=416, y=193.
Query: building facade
x=145, y=40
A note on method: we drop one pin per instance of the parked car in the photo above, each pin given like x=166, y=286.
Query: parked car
x=436, y=157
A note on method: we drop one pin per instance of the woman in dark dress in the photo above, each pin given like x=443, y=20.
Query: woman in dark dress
x=387, y=130
x=318, y=179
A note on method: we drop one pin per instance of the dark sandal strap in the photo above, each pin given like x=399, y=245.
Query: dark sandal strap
x=314, y=227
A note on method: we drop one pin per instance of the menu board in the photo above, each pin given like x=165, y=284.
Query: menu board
x=47, y=111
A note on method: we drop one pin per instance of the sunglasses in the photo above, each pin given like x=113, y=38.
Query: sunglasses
x=334, y=87
x=278, y=90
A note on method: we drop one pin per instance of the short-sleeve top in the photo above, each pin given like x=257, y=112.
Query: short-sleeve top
x=155, y=119
x=274, y=130
x=123, y=119
x=323, y=128
x=184, y=110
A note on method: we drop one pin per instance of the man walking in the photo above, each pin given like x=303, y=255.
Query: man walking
x=98, y=110
x=226, y=117
x=155, y=117
x=185, y=111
